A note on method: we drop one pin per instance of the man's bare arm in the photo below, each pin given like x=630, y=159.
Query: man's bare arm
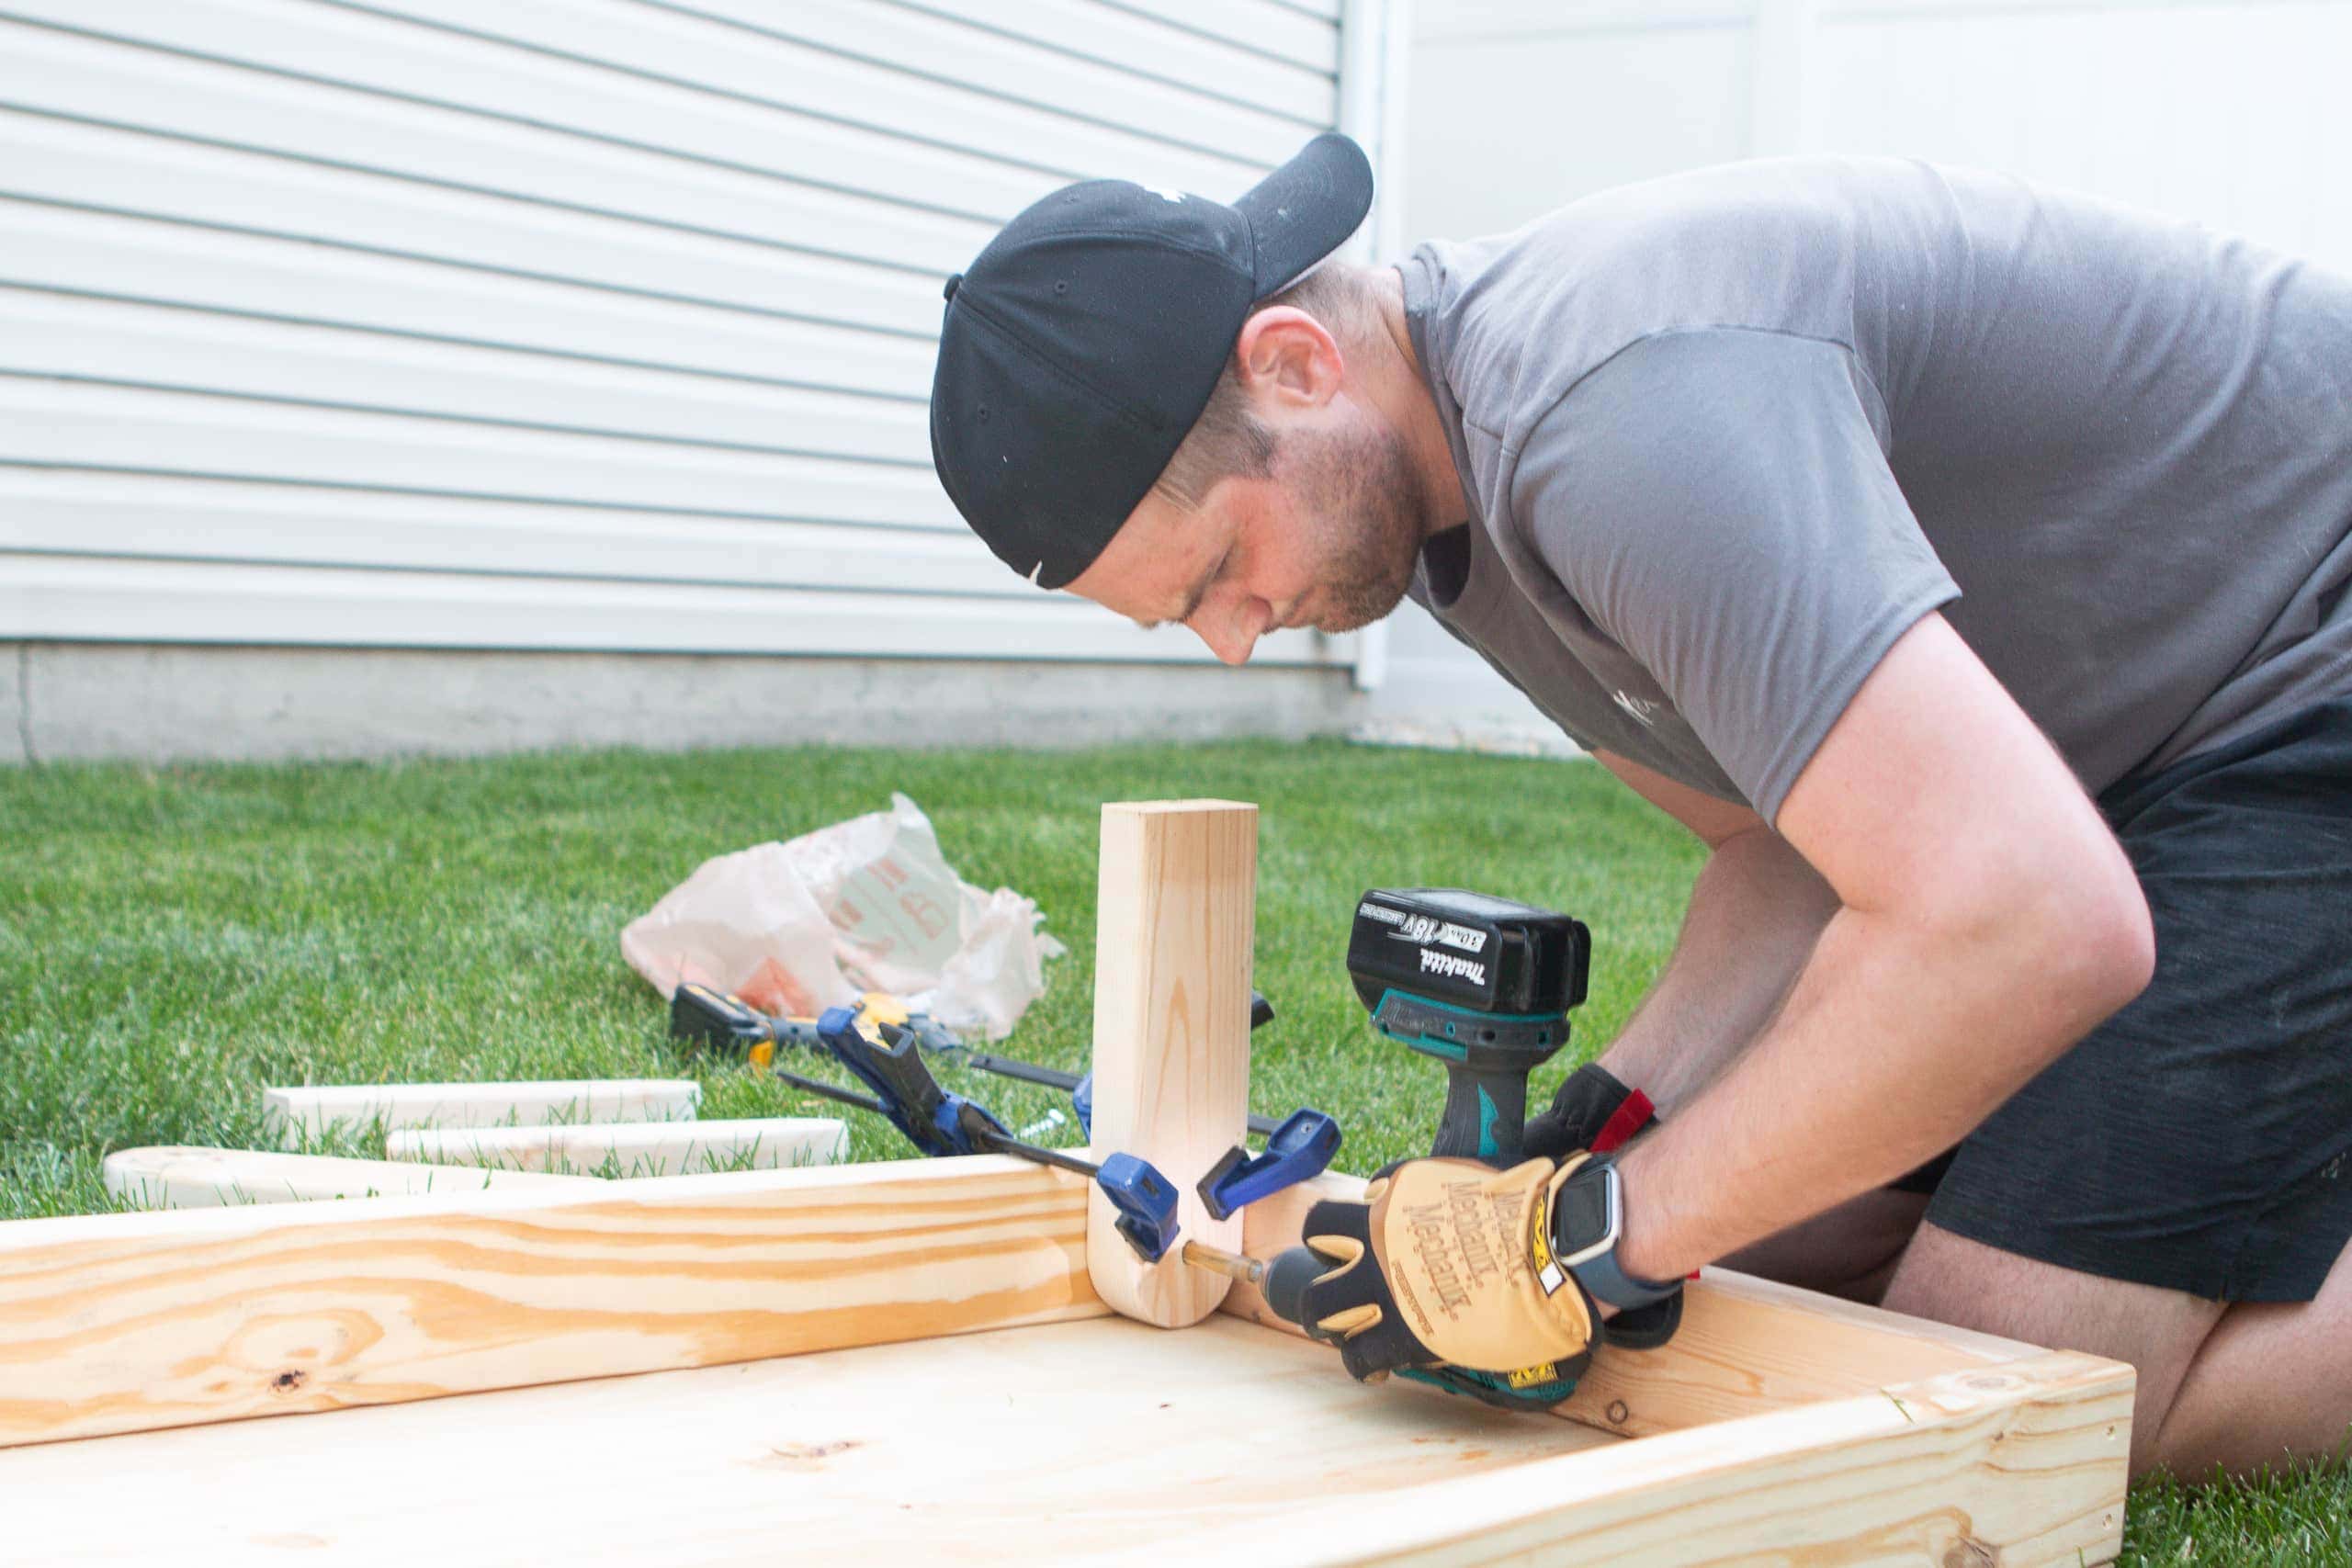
x=1987, y=919
x=1754, y=915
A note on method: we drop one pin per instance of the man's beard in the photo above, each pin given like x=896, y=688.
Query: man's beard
x=1364, y=510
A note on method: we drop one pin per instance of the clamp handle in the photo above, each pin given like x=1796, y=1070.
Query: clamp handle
x=725, y=1021
x=935, y=1121
x=709, y=1017
x=1298, y=1150
x=1146, y=1201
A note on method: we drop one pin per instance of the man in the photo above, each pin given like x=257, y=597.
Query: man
x=1871, y=519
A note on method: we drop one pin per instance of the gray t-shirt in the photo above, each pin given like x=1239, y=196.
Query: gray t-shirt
x=1725, y=436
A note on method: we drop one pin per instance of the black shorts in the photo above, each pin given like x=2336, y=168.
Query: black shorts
x=2201, y=1138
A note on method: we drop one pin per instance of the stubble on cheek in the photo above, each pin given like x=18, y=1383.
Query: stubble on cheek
x=1368, y=530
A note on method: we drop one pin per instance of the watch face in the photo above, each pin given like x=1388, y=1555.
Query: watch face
x=1580, y=1213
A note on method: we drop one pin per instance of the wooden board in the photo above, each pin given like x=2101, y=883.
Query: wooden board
x=117, y=1323
x=1171, y=1032
x=294, y=1113
x=1011, y=1447
x=2020, y=1466
x=1095, y=1441
x=634, y=1148
x=1782, y=1427
x=179, y=1177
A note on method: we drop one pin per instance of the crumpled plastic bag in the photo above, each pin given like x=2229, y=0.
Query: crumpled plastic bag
x=866, y=905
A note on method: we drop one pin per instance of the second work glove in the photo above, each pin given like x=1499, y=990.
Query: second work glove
x=1443, y=1271
x=1591, y=1109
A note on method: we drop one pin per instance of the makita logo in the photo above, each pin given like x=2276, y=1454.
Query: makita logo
x=1436, y=963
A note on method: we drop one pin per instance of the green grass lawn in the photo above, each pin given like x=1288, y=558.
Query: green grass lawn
x=173, y=940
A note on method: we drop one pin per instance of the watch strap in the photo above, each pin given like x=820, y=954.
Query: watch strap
x=1611, y=1286
x=1598, y=1269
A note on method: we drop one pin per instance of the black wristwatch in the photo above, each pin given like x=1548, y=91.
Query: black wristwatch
x=1588, y=1216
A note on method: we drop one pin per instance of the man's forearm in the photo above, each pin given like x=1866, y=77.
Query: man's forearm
x=1755, y=914
x=1895, y=1042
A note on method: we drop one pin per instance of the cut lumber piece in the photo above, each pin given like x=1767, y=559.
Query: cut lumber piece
x=1175, y=923
x=2020, y=1465
x=1747, y=1345
x=1024, y=1447
x=1104, y=1441
x=181, y=1177
x=636, y=1148
x=116, y=1323
x=294, y=1113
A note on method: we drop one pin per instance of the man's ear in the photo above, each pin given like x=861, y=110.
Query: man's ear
x=1287, y=357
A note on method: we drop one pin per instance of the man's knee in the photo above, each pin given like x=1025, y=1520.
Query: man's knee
x=1950, y=1279
x=2272, y=1384
x=1847, y=1251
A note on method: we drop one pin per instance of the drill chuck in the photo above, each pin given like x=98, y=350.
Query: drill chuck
x=1287, y=1277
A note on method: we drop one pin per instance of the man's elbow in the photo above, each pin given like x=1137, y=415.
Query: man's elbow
x=2093, y=947
x=2057, y=937
x=2121, y=956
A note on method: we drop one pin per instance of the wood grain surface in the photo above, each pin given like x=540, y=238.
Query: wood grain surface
x=1102, y=1441
x=116, y=1323
x=2019, y=1465
x=1026, y=1445
x=1175, y=923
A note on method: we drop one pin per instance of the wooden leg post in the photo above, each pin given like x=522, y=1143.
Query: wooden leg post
x=1172, y=1029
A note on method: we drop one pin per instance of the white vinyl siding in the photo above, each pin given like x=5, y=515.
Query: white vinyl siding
x=561, y=324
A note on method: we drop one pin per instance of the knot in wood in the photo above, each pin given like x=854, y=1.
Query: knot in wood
x=1970, y=1552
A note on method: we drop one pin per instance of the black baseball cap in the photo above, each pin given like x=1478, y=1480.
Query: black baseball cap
x=1086, y=338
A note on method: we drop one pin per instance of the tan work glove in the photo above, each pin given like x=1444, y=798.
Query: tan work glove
x=1441, y=1265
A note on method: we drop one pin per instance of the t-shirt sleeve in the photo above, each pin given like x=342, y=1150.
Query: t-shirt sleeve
x=1717, y=504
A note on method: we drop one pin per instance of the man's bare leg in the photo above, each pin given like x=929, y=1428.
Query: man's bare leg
x=2271, y=1384
x=1849, y=1251
x=1965, y=1283
x=2222, y=1385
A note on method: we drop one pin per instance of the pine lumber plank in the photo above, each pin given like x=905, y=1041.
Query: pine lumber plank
x=1176, y=919
x=1022, y=1446
x=2021, y=1465
x=117, y=1323
x=178, y=1176
x=293, y=1114
x=1102, y=1443
x=636, y=1148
